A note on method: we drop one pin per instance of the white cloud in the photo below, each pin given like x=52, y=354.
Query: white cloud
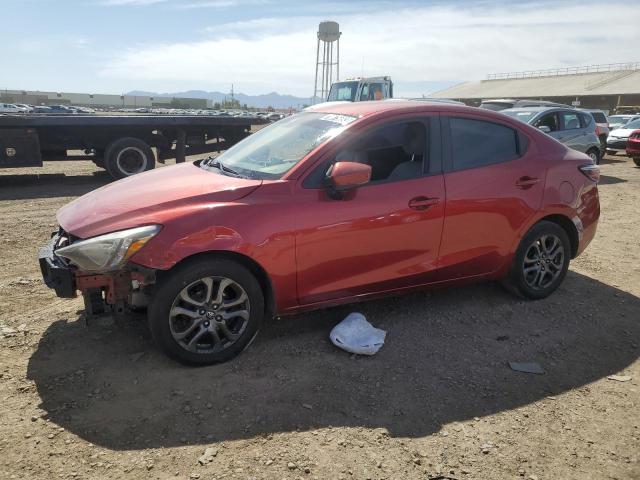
x=431, y=43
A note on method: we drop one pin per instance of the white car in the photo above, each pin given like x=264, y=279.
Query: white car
x=24, y=107
x=619, y=121
x=617, y=139
x=9, y=108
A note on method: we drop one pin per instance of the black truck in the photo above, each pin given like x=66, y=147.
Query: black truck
x=120, y=143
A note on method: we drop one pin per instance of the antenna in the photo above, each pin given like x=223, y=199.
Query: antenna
x=328, y=34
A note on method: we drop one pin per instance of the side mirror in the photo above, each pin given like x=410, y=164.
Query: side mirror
x=544, y=128
x=345, y=176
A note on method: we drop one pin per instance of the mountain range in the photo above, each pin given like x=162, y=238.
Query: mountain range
x=272, y=99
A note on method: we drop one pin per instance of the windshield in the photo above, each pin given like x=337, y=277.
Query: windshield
x=276, y=149
x=632, y=125
x=342, y=91
x=618, y=119
x=521, y=115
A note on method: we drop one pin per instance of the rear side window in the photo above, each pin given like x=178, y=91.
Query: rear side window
x=599, y=117
x=586, y=119
x=571, y=121
x=475, y=143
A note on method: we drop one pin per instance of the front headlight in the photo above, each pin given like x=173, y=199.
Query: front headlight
x=108, y=252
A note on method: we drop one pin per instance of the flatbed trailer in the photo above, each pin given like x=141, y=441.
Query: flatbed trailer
x=120, y=143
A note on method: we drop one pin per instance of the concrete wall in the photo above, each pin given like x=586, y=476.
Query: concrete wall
x=98, y=100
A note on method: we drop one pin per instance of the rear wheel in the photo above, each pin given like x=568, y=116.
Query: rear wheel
x=594, y=154
x=207, y=311
x=127, y=156
x=541, y=261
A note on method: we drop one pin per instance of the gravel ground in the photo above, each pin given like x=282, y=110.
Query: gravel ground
x=438, y=401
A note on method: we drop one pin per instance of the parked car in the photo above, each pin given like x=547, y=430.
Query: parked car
x=9, y=108
x=504, y=103
x=618, y=121
x=61, y=109
x=633, y=147
x=331, y=206
x=42, y=109
x=24, y=107
x=572, y=127
x=617, y=139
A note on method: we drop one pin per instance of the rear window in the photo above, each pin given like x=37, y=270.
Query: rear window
x=599, y=117
x=496, y=106
x=475, y=143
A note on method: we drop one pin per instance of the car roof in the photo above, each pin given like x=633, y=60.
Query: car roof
x=539, y=109
x=365, y=109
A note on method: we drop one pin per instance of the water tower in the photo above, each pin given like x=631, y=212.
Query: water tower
x=328, y=35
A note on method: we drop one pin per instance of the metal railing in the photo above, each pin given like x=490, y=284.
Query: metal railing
x=554, y=72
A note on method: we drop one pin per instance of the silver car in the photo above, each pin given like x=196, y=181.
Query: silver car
x=574, y=128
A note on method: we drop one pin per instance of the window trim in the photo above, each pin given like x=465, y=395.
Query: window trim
x=430, y=121
x=522, y=142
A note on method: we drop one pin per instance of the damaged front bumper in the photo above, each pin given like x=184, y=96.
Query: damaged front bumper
x=55, y=271
x=110, y=292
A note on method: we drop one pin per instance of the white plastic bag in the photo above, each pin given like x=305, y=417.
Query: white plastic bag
x=354, y=334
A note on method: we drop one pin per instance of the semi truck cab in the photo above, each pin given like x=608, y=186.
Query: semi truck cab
x=361, y=89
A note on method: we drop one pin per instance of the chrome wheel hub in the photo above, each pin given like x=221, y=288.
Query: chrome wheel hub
x=543, y=262
x=209, y=315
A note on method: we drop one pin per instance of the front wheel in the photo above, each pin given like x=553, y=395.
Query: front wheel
x=637, y=161
x=541, y=261
x=206, y=312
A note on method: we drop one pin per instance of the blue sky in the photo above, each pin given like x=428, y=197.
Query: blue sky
x=113, y=46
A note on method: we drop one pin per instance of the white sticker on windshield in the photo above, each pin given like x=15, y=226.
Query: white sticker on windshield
x=340, y=119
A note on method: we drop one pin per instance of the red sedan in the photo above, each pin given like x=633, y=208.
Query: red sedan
x=340, y=203
x=633, y=147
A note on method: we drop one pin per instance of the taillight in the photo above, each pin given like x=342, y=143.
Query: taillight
x=591, y=171
x=598, y=131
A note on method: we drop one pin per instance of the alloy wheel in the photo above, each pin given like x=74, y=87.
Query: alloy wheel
x=543, y=262
x=209, y=315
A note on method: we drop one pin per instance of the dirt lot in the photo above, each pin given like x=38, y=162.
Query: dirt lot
x=438, y=401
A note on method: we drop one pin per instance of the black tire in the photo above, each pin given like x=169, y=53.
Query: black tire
x=127, y=156
x=169, y=297
x=595, y=155
x=637, y=161
x=519, y=280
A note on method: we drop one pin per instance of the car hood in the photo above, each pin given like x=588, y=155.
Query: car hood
x=621, y=132
x=150, y=198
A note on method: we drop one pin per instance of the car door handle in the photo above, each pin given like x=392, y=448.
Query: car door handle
x=526, y=182
x=422, y=203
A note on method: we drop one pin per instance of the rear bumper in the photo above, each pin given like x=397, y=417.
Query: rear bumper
x=56, y=274
x=586, y=220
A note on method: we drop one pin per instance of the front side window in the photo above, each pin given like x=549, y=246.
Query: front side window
x=276, y=149
x=571, y=121
x=549, y=120
x=395, y=152
x=475, y=143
